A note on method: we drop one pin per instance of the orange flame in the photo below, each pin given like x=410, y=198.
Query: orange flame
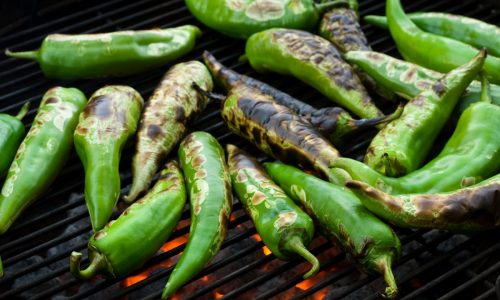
x=308, y=283
x=264, y=249
x=174, y=243
x=218, y=295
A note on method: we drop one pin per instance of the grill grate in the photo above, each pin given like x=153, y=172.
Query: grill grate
x=434, y=264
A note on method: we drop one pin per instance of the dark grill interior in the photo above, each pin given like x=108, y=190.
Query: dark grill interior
x=434, y=264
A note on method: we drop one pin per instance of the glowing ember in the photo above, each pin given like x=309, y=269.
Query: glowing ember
x=218, y=295
x=308, y=283
x=174, y=243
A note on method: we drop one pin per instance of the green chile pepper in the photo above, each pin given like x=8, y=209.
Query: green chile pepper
x=126, y=243
x=401, y=146
x=210, y=197
x=313, y=60
x=241, y=19
x=119, y=53
x=106, y=124
x=284, y=227
x=468, y=30
x=408, y=80
x=343, y=218
x=42, y=153
x=470, y=155
x=333, y=122
x=432, y=51
x=469, y=209
x=1, y=268
x=11, y=135
x=173, y=104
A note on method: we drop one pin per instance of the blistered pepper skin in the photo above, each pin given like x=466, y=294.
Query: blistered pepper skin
x=106, y=124
x=42, y=153
x=11, y=135
x=313, y=60
x=401, y=146
x=283, y=226
x=126, y=243
x=113, y=54
x=171, y=107
x=210, y=197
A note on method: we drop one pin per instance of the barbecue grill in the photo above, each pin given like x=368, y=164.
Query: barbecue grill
x=434, y=264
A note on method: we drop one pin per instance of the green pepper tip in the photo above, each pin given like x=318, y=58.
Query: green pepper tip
x=95, y=265
x=24, y=110
x=384, y=267
x=295, y=245
x=1, y=267
x=23, y=54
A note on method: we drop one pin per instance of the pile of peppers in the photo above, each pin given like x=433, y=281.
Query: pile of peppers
x=343, y=199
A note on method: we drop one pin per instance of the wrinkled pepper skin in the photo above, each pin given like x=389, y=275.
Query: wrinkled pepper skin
x=42, y=153
x=343, y=218
x=211, y=199
x=433, y=51
x=11, y=135
x=333, y=122
x=471, y=155
x=283, y=226
x=403, y=144
x=313, y=60
x=126, y=243
x=171, y=107
x=113, y=54
x=469, y=209
x=408, y=80
x=241, y=19
x=106, y=124
x=468, y=30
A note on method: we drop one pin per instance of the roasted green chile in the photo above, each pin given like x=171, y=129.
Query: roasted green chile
x=106, y=124
x=119, y=53
x=171, y=107
x=210, y=197
x=42, y=153
x=241, y=19
x=285, y=229
x=403, y=144
x=432, y=51
x=343, y=218
x=333, y=122
x=408, y=80
x=468, y=209
x=126, y=243
x=468, y=30
x=11, y=135
x=313, y=60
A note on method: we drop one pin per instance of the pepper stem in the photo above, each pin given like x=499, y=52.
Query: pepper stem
x=295, y=245
x=323, y=7
x=365, y=123
x=485, y=90
x=384, y=265
x=22, y=113
x=209, y=95
x=96, y=264
x=23, y=55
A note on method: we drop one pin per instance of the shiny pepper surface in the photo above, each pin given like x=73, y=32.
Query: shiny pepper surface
x=240, y=19
x=42, y=153
x=108, y=122
x=11, y=135
x=121, y=53
x=128, y=242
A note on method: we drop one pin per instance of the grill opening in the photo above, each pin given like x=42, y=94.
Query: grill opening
x=35, y=251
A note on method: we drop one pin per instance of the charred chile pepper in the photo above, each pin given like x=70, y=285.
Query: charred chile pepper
x=333, y=122
x=343, y=218
x=42, y=153
x=126, y=243
x=173, y=104
x=284, y=227
x=432, y=51
x=408, y=80
x=468, y=30
x=11, y=135
x=469, y=209
x=210, y=197
x=401, y=146
x=470, y=155
x=110, y=54
x=106, y=124
x=313, y=60
x=341, y=27
x=277, y=131
x=241, y=19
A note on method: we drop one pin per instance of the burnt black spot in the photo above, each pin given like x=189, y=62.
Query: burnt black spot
x=439, y=88
x=100, y=107
x=154, y=131
x=51, y=100
x=326, y=119
x=180, y=114
x=342, y=28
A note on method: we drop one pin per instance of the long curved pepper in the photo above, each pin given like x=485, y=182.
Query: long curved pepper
x=432, y=51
